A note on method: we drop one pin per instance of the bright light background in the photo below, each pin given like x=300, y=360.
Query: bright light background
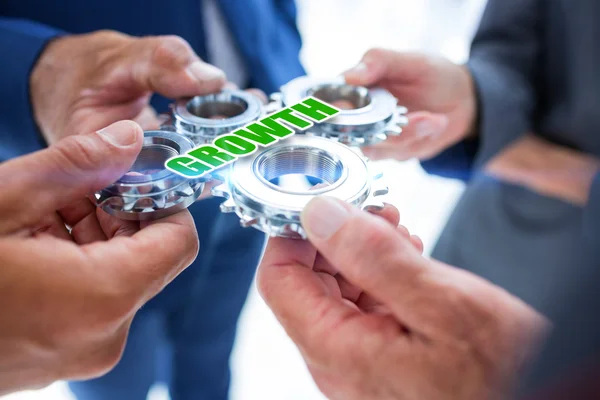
x=266, y=365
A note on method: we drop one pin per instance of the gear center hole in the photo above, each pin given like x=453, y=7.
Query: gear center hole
x=218, y=106
x=151, y=159
x=300, y=170
x=344, y=97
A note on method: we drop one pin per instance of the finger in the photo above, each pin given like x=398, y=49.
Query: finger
x=322, y=265
x=259, y=94
x=349, y=291
x=303, y=303
x=51, y=179
x=114, y=227
x=330, y=284
x=418, y=243
x=389, y=213
x=168, y=65
x=403, y=231
x=54, y=225
x=280, y=251
x=421, y=132
x=81, y=217
x=90, y=224
x=375, y=257
x=145, y=262
x=380, y=64
x=148, y=119
x=369, y=304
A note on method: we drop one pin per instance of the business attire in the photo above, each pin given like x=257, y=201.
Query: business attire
x=535, y=65
x=185, y=334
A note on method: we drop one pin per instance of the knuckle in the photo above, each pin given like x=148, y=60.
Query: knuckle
x=375, y=237
x=194, y=246
x=172, y=51
x=105, y=358
x=78, y=154
x=189, y=238
x=376, y=53
x=108, y=35
x=263, y=285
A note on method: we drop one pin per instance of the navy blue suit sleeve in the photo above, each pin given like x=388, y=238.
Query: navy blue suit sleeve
x=503, y=60
x=592, y=214
x=21, y=43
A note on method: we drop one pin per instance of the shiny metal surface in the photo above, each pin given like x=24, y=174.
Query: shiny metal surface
x=260, y=203
x=203, y=118
x=149, y=191
x=369, y=115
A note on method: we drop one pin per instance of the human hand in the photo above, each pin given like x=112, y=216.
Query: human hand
x=375, y=320
x=69, y=296
x=439, y=95
x=546, y=168
x=82, y=83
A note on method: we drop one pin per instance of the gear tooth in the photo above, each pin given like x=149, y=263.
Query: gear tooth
x=275, y=103
x=129, y=206
x=401, y=110
x=297, y=229
x=247, y=221
x=187, y=191
x=228, y=206
x=346, y=139
x=101, y=198
x=401, y=121
x=378, y=138
x=393, y=130
x=104, y=200
x=219, y=175
x=355, y=140
x=373, y=205
x=160, y=202
x=380, y=191
x=221, y=190
x=376, y=175
x=203, y=179
x=145, y=202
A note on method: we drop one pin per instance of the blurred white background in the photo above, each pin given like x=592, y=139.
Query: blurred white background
x=266, y=364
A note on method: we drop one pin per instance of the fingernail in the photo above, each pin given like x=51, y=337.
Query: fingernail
x=358, y=70
x=323, y=217
x=424, y=129
x=203, y=72
x=120, y=134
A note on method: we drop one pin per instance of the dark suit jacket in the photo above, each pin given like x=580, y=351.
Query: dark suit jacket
x=264, y=30
x=536, y=65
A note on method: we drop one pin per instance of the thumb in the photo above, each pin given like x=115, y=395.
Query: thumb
x=372, y=255
x=379, y=64
x=40, y=183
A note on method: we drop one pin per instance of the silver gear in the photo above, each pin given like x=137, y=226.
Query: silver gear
x=150, y=191
x=375, y=114
x=203, y=118
x=250, y=192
